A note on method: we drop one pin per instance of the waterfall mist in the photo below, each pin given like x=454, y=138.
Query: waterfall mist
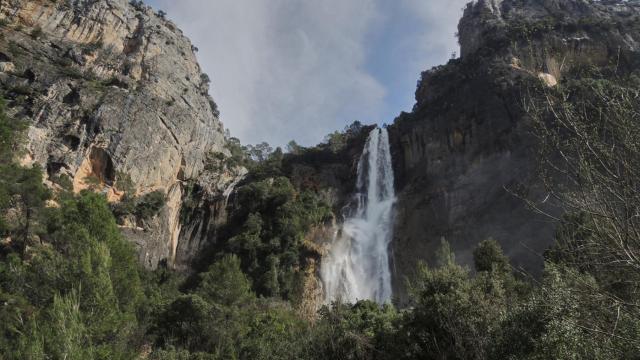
x=357, y=266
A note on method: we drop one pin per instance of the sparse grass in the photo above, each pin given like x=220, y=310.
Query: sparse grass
x=64, y=62
x=93, y=47
x=64, y=181
x=117, y=82
x=14, y=48
x=72, y=72
x=96, y=85
x=22, y=90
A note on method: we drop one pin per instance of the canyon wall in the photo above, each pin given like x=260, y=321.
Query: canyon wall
x=112, y=91
x=464, y=157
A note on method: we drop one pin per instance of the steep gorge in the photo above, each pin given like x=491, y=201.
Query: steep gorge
x=243, y=245
x=112, y=92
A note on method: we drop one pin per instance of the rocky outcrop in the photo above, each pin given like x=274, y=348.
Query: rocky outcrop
x=464, y=157
x=112, y=91
x=204, y=212
x=554, y=36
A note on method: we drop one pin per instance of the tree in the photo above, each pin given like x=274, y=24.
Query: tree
x=354, y=128
x=590, y=156
x=293, y=148
x=24, y=183
x=454, y=316
x=589, y=137
x=91, y=212
x=189, y=322
x=23, y=190
x=77, y=295
x=335, y=141
x=33, y=195
x=11, y=135
x=259, y=152
x=276, y=332
x=66, y=335
x=225, y=283
x=488, y=256
x=214, y=318
x=238, y=155
x=563, y=318
x=249, y=241
x=364, y=330
x=150, y=204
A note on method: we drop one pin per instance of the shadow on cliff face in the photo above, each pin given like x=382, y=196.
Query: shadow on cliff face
x=465, y=158
x=462, y=158
x=102, y=165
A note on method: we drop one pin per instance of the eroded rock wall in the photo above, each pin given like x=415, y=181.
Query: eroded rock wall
x=111, y=90
x=466, y=149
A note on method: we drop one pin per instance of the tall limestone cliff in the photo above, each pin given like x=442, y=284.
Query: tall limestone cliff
x=113, y=94
x=465, y=151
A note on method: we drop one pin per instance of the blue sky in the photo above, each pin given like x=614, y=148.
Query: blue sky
x=299, y=69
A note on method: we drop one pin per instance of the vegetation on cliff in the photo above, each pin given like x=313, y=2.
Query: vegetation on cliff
x=71, y=286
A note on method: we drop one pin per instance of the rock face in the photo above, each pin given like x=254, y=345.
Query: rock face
x=466, y=150
x=204, y=212
x=112, y=91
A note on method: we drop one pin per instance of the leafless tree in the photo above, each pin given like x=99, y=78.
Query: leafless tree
x=590, y=153
x=589, y=136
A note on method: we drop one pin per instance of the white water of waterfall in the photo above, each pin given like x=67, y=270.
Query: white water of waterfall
x=357, y=266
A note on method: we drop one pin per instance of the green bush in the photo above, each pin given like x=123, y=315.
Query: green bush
x=268, y=230
x=144, y=207
x=149, y=205
x=11, y=135
x=225, y=283
x=488, y=256
x=364, y=330
x=85, y=285
x=276, y=332
x=36, y=32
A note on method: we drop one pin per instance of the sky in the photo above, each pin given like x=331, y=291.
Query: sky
x=286, y=70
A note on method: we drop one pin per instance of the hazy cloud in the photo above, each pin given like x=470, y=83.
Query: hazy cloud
x=299, y=69
x=437, y=41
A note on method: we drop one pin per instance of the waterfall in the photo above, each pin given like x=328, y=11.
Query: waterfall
x=357, y=266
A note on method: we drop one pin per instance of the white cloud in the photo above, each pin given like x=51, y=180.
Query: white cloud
x=297, y=69
x=440, y=19
x=283, y=68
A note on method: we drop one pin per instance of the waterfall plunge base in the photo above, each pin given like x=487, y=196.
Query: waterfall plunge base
x=357, y=266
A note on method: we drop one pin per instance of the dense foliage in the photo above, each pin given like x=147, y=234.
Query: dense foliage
x=273, y=219
x=274, y=208
x=71, y=287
